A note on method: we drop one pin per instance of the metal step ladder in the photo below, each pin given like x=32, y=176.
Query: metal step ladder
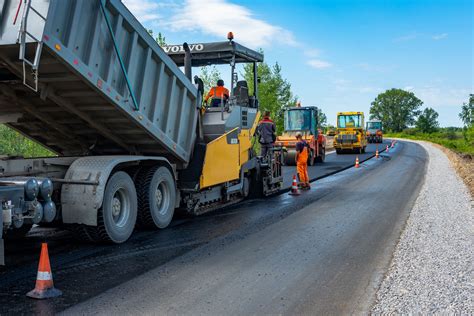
x=23, y=35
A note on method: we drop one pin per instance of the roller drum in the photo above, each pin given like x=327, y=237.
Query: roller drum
x=290, y=157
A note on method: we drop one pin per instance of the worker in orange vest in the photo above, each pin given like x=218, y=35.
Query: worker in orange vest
x=302, y=161
x=218, y=94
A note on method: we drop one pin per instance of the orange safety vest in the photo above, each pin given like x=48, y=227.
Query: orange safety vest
x=217, y=93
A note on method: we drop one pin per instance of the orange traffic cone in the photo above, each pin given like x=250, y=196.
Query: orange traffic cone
x=377, y=152
x=44, y=280
x=357, y=162
x=294, y=187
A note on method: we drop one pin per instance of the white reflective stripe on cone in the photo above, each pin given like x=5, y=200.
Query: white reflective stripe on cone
x=44, y=276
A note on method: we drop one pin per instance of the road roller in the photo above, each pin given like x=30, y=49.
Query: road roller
x=303, y=120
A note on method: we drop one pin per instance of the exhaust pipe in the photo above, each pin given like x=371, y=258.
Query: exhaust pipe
x=187, y=61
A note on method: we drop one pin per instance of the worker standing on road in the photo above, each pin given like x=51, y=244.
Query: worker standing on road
x=218, y=94
x=266, y=134
x=302, y=161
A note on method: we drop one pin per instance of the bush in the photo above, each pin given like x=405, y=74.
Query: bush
x=13, y=143
x=461, y=141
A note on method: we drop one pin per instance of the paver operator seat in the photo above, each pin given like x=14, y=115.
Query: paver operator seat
x=241, y=109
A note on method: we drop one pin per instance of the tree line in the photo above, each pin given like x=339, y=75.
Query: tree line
x=399, y=109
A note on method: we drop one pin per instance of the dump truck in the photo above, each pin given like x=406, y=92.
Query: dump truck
x=303, y=120
x=131, y=139
x=350, y=134
x=374, y=131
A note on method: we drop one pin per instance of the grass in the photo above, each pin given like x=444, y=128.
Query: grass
x=456, y=139
x=13, y=143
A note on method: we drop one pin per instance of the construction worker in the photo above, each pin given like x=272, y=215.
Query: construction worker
x=218, y=94
x=266, y=134
x=302, y=161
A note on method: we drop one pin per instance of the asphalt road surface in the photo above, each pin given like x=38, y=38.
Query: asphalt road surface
x=323, y=251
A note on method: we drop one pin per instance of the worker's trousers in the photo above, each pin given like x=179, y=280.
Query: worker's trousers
x=265, y=149
x=302, y=172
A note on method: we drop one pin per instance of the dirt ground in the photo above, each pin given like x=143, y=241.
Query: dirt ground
x=464, y=165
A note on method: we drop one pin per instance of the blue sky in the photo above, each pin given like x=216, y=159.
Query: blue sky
x=339, y=54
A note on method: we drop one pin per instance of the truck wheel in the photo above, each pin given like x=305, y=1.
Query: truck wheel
x=338, y=151
x=156, y=197
x=363, y=150
x=117, y=217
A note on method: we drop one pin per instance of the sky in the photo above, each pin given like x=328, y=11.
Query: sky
x=340, y=54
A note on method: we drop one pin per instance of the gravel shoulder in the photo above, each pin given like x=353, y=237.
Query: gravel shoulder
x=432, y=266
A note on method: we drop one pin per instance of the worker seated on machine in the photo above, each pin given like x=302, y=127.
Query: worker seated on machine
x=218, y=94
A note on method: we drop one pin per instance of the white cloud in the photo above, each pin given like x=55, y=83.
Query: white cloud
x=437, y=96
x=438, y=37
x=312, y=52
x=217, y=17
x=143, y=10
x=319, y=64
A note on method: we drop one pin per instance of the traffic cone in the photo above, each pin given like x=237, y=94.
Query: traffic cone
x=44, y=280
x=386, y=149
x=294, y=187
x=357, y=162
x=377, y=152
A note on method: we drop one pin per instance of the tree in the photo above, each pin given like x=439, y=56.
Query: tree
x=209, y=75
x=428, y=121
x=467, y=112
x=396, y=109
x=322, y=119
x=160, y=39
x=13, y=143
x=274, y=91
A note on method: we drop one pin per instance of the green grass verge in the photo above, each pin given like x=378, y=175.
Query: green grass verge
x=457, y=140
x=13, y=143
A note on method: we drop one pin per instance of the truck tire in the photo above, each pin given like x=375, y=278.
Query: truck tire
x=338, y=151
x=156, y=192
x=118, y=215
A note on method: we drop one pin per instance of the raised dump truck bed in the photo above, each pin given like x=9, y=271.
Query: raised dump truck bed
x=83, y=104
x=85, y=79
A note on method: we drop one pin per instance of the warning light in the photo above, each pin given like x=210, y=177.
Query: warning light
x=230, y=36
x=58, y=47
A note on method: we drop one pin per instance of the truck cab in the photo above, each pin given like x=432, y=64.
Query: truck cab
x=374, y=131
x=350, y=133
x=303, y=120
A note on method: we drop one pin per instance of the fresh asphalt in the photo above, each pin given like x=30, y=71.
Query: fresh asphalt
x=323, y=248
